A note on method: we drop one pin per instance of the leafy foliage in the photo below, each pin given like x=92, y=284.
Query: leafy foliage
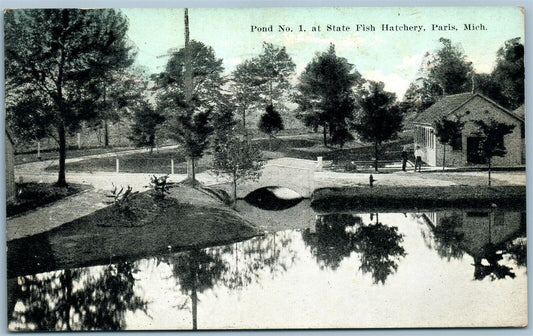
x=54, y=60
x=492, y=143
x=122, y=199
x=377, y=118
x=324, y=94
x=145, y=122
x=448, y=132
x=239, y=158
x=159, y=185
x=270, y=122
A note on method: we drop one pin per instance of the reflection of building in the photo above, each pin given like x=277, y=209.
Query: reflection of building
x=479, y=228
x=468, y=107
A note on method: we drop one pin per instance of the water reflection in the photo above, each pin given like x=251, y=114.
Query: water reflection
x=338, y=235
x=74, y=299
x=486, y=235
x=348, y=264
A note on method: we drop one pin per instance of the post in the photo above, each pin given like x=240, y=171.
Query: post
x=117, y=166
x=319, y=164
x=79, y=140
x=39, y=150
x=172, y=166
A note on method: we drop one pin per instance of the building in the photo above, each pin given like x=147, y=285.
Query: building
x=469, y=107
x=11, y=188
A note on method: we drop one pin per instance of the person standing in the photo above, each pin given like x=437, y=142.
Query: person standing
x=404, y=158
x=418, y=158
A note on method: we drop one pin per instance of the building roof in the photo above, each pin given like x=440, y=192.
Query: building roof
x=448, y=104
x=9, y=134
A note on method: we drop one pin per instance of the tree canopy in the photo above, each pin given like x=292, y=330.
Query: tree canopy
x=54, y=60
x=378, y=117
x=324, y=94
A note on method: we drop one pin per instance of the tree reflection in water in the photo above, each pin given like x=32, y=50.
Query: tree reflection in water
x=233, y=266
x=332, y=241
x=338, y=235
x=78, y=299
x=448, y=240
x=380, y=250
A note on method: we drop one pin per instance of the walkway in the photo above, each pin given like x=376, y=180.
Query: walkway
x=75, y=206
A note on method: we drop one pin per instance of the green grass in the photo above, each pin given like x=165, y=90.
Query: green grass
x=156, y=163
x=53, y=154
x=155, y=225
x=34, y=195
x=409, y=198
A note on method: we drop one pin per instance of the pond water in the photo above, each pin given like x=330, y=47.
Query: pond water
x=341, y=270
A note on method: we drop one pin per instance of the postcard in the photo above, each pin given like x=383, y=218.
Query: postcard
x=265, y=168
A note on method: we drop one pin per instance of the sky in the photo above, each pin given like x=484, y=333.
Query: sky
x=393, y=57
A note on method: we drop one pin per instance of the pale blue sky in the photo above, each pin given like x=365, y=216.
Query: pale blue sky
x=392, y=57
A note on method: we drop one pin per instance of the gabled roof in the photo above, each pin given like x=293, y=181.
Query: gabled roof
x=448, y=104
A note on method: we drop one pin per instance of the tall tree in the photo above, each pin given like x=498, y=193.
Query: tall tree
x=145, y=122
x=245, y=86
x=189, y=91
x=493, y=143
x=377, y=118
x=270, y=123
x=505, y=84
x=449, y=133
x=53, y=59
x=449, y=68
x=324, y=94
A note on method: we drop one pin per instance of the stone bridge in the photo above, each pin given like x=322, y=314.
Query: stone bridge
x=295, y=174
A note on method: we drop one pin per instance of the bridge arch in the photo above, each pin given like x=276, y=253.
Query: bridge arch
x=298, y=179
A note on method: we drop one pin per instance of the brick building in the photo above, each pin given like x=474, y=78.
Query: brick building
x=469, y=107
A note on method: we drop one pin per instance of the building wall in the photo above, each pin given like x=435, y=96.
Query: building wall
x=477, y=109
x=11, y=188
x=425, y=138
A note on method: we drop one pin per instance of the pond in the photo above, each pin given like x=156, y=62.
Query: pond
x=339, y=270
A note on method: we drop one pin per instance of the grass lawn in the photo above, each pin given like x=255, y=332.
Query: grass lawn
x=108, y=235
x=156, y=163
x=71, y=153
x=409, y=198
x=33, y=195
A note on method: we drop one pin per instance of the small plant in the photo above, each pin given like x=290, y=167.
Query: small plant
x=122, y=198
x=159, y=185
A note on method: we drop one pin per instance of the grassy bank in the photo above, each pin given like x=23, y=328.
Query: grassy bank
x=108, y=235
x=404, y=198
x=33, y=195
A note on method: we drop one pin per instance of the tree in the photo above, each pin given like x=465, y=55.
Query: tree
x=377, y=117
x=324, y=94
x=505, y=84
x=145, y=122
x=270, y=123
x=445, y=71
x=188, y=97
x=449, y=68
x=449, y=133
x=239, y=158
x=492, y=143
x=245, y=88
x=53, y=60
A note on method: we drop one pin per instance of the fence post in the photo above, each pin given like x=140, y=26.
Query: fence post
x=172, y=166
x=117, y=165
x=39, y=150
x=319, y=163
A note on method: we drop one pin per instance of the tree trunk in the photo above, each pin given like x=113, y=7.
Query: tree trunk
x=489, y=172
x=193, y=173
x=244, y=122
x=443, y=156
x=194, y=294
x=270, y=142
x=234, y=190
x=106, y=134
x=376, y=156
x=61, y=180
x=325, y=135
